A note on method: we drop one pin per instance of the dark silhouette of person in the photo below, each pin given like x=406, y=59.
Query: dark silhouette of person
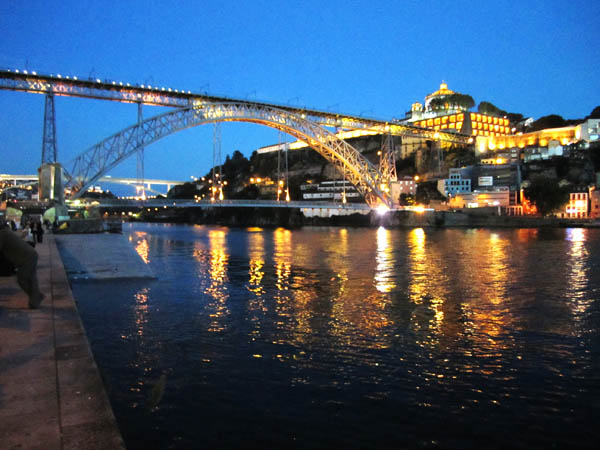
x=24, y=258
x=38, y=231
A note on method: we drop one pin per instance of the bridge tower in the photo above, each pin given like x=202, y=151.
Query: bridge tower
x=216, y=187
x=50, y=173
x=49, y=153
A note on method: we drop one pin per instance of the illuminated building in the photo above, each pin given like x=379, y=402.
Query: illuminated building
x=502, y=181
x=329, y=190
x=499, y=196
x=548, y=142
x=405, y=185
x=454, y=117
x=578, y=206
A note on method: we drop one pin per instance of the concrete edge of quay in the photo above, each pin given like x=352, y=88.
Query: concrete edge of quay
x=51, y=392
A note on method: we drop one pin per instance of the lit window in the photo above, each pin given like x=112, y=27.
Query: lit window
x=459, y=125
x=430, y=122
x=460, y=117
x=444, y=126
x=452, y=118
x=445, y=119
x=437, y=121
x=485, y=126
x=475, y=132
x=495, y=120
x=473, y=116
x=452, y=125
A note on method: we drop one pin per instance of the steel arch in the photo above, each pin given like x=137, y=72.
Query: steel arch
x=97, y=160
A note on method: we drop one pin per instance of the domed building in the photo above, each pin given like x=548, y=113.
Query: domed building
x=449, y=111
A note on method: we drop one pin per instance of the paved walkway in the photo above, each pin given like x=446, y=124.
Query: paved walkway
x=51, y=393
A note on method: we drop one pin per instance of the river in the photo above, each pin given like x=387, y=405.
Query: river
x=352, y=338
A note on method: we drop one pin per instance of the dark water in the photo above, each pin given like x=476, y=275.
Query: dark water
x=353, y=338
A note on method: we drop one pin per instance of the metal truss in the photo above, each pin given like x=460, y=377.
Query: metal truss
x=160, y=96
x=49, y=153
x=387, y=159
x=89, y=166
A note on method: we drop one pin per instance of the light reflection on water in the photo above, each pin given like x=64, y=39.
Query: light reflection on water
x=276, y=332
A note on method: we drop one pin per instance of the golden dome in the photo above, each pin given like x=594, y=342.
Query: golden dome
x=443, y=90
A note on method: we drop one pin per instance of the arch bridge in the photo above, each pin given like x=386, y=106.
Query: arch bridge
x=194, y=109
x=93, y=163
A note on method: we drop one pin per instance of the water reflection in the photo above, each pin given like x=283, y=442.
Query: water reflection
x=141, y=245
x=489, y=312
x=282, y=257
x=405, y=324
x=385, y=268
x=256, y=273
x=577, y=276
x=428, y=286
x=217, y=289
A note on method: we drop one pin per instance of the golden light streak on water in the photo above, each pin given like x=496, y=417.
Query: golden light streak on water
x=385, y=264
x=217, y=289
x=141, y=310
x=577, y=276
x=141, y=245
x=256, y=273
x=491, y=280
x=283, y=260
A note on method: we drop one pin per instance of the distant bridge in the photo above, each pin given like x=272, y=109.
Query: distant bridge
x=307, y=125
x=20, y=180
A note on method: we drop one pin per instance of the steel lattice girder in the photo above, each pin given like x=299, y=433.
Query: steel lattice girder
x=107, y=90
x=89, y=166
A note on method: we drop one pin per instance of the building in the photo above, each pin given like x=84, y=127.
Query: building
x=578, y=206
x=545, y=143
x=458, y=182
x=443, y=110
x=496, y=197
x=589, y=130
x=501, y=179
x=330, y=190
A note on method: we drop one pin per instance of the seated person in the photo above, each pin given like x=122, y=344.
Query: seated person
x=24, y=258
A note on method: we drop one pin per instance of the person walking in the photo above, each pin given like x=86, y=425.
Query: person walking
x=24, y=258
x=29, y=236
x=38, y=231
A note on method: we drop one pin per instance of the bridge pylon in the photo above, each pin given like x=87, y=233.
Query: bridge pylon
x=51, y=183
x=49, y=152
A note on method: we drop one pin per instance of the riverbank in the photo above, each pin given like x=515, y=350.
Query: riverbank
x=294, y=218
x=51, y=392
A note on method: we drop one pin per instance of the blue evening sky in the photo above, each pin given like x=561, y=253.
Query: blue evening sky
x=372, y=58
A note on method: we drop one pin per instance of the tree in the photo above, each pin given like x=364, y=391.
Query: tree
x=546, y=194
x=406, y=199
x=488, y=108
x=551, y=121
x=595, y=114
x=461, y=101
